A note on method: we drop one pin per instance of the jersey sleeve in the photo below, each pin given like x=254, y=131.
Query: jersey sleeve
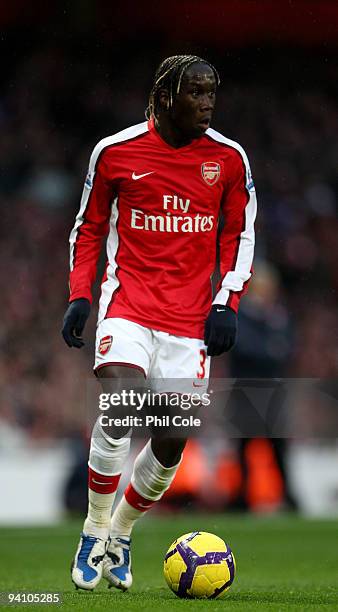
x=91, y=226
x=237, y=238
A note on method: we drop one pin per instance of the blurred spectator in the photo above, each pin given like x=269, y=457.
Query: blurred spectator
x=264, y=339
x=262, y=351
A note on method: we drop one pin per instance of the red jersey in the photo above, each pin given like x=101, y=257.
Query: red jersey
x=160, y=207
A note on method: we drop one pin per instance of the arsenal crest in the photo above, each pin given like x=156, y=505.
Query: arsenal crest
x=210, y=172
x=105, y=344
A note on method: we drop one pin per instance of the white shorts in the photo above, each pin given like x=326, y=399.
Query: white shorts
x=158, y=354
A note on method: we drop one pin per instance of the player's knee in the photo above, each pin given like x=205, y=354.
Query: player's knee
x=106, y=451
x=168, y=451
x=119, y=385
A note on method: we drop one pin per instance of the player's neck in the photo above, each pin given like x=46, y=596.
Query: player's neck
x=170, y=134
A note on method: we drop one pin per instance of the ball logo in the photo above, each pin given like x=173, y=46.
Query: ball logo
x=210, y=172
x=105, y=344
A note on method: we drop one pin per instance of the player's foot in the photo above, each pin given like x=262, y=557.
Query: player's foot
x=117, y=563
x=88, y=562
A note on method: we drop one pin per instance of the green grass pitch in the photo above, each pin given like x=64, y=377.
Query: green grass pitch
x=283, y=563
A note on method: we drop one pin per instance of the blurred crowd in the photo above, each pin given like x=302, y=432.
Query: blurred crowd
x=54, y=107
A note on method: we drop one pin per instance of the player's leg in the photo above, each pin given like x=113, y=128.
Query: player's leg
x=108, y=453
x=168, y=451
x=177, y=364
x=150, y=479
x=154, y=470
x=106, y=459
x=157, y=463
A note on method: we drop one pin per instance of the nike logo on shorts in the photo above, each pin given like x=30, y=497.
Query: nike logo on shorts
x=136, y=177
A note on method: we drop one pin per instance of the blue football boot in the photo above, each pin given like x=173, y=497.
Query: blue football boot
x=88, y=562
x=117, y=563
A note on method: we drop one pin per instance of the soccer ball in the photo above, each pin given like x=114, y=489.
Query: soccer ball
x=199, y=565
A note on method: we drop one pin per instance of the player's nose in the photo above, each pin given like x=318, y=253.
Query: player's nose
x=206, y=103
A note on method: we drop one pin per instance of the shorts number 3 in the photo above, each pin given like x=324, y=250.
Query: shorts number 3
x=201, y=371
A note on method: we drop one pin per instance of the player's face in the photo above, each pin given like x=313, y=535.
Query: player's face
x=193, y=106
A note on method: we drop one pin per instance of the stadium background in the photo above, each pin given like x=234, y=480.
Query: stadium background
x=76, y=72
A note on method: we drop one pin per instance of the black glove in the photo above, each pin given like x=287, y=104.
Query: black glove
x=74, y=321
x=220, y=330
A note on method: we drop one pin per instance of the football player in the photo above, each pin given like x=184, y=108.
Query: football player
x=156, y=190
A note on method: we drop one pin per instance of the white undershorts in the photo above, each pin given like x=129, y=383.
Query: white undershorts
x=158, y=354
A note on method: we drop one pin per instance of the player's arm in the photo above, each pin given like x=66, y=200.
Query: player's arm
x=91, y=226
x=237, y=242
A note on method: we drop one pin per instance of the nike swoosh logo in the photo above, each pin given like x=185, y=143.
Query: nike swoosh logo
x=194, y=384
x=101, y=483
x=145, y=506
x=136, y=177
x=220, y=309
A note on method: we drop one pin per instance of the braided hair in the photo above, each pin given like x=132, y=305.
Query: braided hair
x=169, y=74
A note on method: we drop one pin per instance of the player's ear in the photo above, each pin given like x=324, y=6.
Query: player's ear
x=163, y=99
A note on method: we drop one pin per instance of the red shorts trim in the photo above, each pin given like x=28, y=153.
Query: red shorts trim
x=119, y=363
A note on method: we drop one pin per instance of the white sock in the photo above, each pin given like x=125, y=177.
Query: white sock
x=149, y=482
x=106, y=459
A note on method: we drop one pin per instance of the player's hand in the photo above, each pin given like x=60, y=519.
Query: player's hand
x=220, y=330
x=74, y=321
